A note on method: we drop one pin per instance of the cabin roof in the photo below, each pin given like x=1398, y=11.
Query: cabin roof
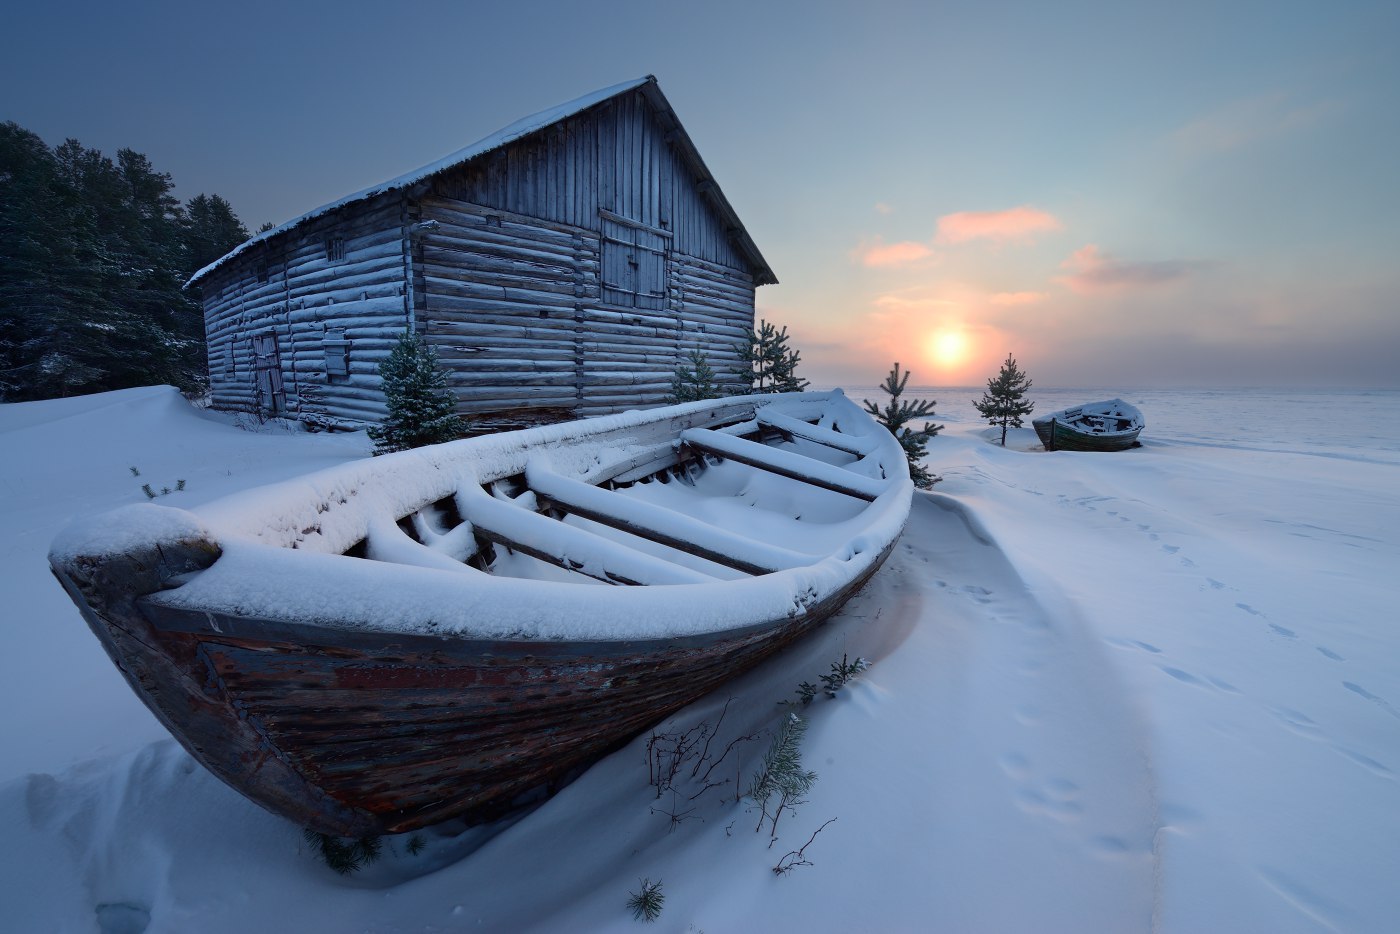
x=526, y=126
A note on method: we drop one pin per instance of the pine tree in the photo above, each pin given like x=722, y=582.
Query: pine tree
x=420, y=405
x=93, y=257
x=769, y=364
x=1002, y=404
x=696, y=381
x=211, y=229
x=896, y=415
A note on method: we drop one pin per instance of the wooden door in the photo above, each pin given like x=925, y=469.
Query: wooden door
x=268, y=395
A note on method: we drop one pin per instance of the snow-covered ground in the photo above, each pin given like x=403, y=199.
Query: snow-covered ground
x=1156, y=690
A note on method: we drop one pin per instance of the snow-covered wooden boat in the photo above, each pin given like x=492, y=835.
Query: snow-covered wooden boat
x=445, y=632
x=1111, y=425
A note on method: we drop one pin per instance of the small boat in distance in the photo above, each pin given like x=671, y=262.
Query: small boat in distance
x=450, y=631
x=1111, y=425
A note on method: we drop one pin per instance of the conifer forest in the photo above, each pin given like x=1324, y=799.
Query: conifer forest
x=94, y=254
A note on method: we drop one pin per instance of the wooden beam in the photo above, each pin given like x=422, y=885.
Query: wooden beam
x=666, y=526
x=785, y=463
x=569, y=547
x=851, y=444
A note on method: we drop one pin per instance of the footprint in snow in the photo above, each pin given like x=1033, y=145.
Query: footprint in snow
x=1134, y=644
x=980, y=594
x=1297, y=721
x=1015, y=765
x=1330, y=654
x=1373, y=698
x=1185, y=677
x=1365, y=761
x=1055, y=799
x=122, y=918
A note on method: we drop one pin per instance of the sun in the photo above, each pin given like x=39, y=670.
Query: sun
x=948, y=348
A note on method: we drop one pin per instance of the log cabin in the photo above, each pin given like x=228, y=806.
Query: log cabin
x=561, y=267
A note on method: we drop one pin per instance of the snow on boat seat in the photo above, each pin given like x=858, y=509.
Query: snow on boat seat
x=851, y=444
x=662, y=525
x=785, y=464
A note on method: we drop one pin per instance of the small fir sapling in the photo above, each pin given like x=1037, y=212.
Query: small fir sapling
x=421, y=409
x=842, y=673
x=646, y=904
x=1002, y=404
x=781, y=774
x=806, y=691
x=150, y=493
x=694, y=382
x=770, y=365
x=344, y=858
x=896, y=416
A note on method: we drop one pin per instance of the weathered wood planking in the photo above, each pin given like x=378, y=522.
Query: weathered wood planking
x=566, y=271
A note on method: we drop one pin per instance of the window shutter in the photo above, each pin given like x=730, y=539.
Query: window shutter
x=337, y=350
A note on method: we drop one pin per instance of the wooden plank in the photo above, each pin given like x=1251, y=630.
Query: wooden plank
x=567, y=546
x=665, y=526
x=851, y=444
x=785, y=463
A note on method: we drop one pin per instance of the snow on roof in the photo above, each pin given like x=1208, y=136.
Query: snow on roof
x=520, y=128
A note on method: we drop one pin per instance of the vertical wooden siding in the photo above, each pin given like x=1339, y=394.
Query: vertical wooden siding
x=614, y=157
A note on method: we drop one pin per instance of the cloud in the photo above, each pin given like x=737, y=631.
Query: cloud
x=1091, y=270
x=914, y=300
x=1242, y=122
x=883, y=208
x=1016, y=298
x=904, y=253
x=1019, y=223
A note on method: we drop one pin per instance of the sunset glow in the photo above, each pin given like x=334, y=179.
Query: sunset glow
x=948, y=349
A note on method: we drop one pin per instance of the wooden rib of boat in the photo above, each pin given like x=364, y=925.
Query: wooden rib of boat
x=445, y=632
x=1111, y=425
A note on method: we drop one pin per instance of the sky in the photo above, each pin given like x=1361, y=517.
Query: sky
x=1122, y=195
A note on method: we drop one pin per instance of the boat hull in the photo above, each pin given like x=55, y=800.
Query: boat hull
x=1057, y=436
x=1110, y=425
x=353, y=734
x=353, y=728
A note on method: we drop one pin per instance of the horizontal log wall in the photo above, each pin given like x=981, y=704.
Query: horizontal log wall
x=501, y=293
x=511, y=305
x=306, y=294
